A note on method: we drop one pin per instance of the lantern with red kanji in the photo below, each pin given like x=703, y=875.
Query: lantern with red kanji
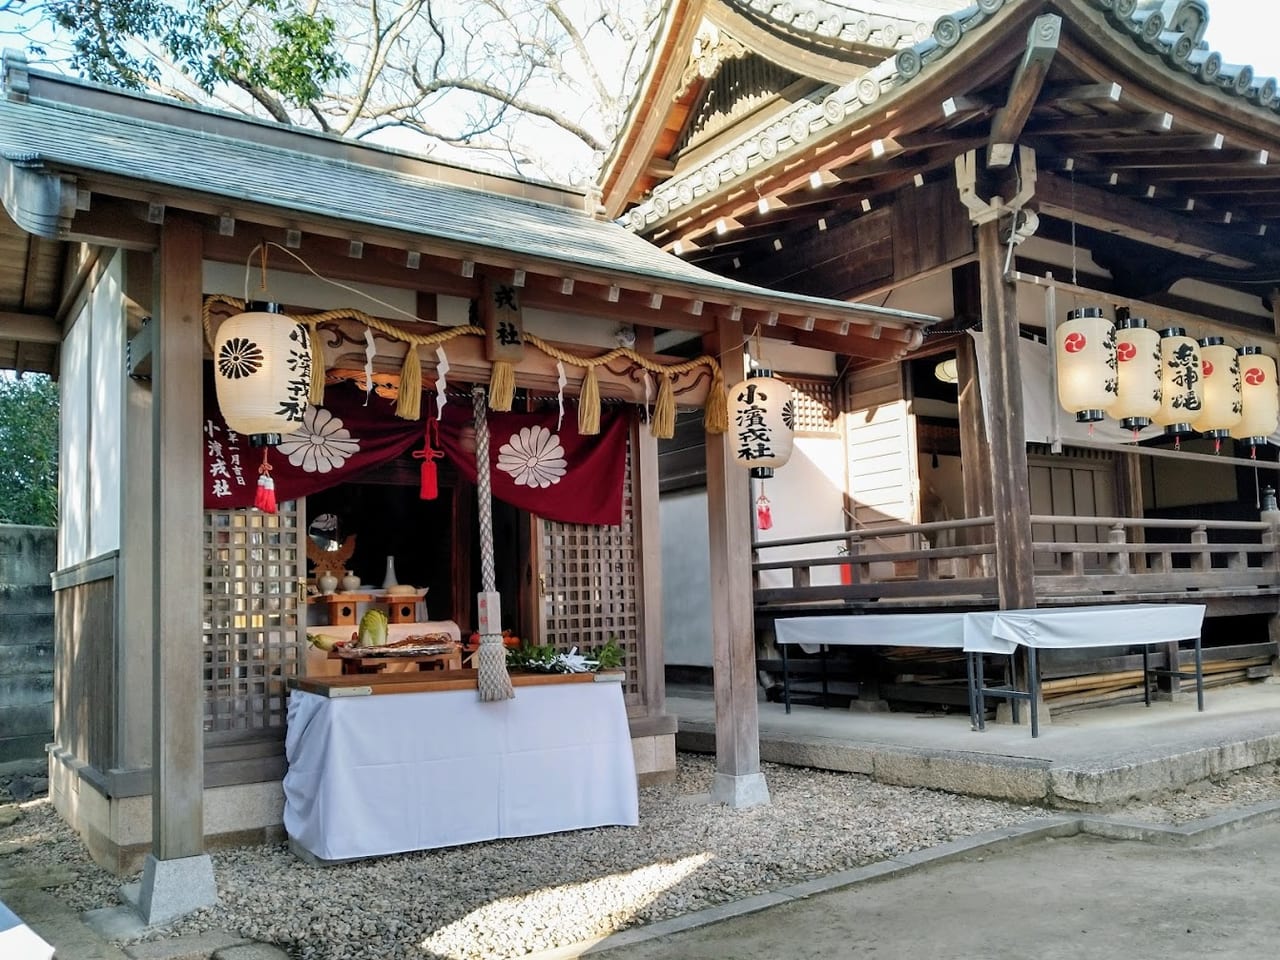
x=1086, y=355
x=1137, y=374
x=1221, y=407
x=262, y=371
x=1259, y=400
x=762, y=423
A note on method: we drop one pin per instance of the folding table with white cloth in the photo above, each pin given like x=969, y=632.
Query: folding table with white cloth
x=1002, y=632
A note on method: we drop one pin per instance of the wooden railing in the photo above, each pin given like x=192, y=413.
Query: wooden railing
x=1107, y=559
x=876, y=568
x=1126, y=559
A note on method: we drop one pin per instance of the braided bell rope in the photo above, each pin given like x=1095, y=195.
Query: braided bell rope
x=492, y=679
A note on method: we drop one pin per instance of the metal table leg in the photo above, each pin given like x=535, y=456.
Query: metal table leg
x=1199, y=676
x=1146, y=674
x=1033, y=688
x=969, y=681
x=786, y=678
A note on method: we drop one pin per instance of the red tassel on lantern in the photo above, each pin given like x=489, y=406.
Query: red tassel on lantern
x=429, y=488
x=265, y=496
x=764, y=515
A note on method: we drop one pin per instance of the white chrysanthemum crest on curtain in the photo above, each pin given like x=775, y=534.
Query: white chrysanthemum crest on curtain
x=533, y=457
x=322, y=443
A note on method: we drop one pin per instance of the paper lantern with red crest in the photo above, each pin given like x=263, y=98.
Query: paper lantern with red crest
x=1137, y=374
x=1086, y=356
x=1259, y=399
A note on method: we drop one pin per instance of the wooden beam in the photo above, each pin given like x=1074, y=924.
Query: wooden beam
x=177, y=478
x=31, y=274
x=1010, y=495
x=114, y=223
x=29, y=327
x=1089, y=206
x=1007, y=124
x=738, y=780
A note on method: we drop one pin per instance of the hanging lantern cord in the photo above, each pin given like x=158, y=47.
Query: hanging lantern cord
x=262, y=259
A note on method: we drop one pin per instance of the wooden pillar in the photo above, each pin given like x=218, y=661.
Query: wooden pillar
x=1010, y=497
x=648, y=529
x=738, y=780
x=135, y=578
x=178, y=875
x=973, y=434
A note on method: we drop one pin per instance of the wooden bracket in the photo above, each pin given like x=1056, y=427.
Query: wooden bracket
x=1007, y=124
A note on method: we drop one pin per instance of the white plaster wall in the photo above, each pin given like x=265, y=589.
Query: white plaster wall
x=806, y=498
x=106, y=406
x=73, y=443
x=686, y=578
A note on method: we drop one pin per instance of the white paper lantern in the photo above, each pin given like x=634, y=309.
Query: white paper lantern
x=1138, y=374
x=1222, y=407
x=762, y=424
x=1086, y=352
x=1259, y=399
x=262, y=370
x=1181, y=382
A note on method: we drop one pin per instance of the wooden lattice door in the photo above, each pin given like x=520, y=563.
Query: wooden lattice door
x=253, y=563
x=589, y=586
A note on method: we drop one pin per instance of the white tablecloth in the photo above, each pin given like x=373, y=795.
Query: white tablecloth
x=1102, y=625
x=1000, y=631
x=390, y=773
x=888, y=629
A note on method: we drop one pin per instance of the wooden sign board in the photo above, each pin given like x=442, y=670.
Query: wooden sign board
x=503, y=321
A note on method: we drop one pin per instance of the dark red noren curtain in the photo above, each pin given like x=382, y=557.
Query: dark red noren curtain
x=536, y=464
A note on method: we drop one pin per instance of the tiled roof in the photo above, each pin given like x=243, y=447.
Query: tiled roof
x=876, y=24
x=167, y=157
x=1172, y=30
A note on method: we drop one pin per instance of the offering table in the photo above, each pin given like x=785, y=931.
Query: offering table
x=383, y=764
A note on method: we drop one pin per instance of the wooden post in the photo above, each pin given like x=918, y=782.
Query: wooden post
x=178, y=875
x=1010, y=497
x=738, y=780
x=134, y=582
x=649, y=554
x=973, y=438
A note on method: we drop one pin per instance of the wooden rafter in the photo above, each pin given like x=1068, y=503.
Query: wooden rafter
x=1007, y=125
x=1113, y=214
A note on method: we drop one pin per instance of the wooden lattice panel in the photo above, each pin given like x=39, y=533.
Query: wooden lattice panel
x=814, y=402
x=253, y=563
x=591, y=587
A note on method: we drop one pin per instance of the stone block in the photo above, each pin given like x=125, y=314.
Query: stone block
x=173, y=888
x=198, y=946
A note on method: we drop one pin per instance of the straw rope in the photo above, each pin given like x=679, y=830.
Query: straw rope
x=715, y=417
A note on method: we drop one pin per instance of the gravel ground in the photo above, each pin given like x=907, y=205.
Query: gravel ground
x=507, y=898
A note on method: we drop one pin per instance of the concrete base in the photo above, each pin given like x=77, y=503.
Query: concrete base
x=740, y=792
x=1089, y=759
x=174, y=888
x=1004, y=713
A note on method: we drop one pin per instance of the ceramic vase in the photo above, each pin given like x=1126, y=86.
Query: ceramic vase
x=326, y=583
x=390, y=579
x=350, y=583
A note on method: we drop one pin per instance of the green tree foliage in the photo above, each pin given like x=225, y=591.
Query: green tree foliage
x=277, y=52
x=29, y=450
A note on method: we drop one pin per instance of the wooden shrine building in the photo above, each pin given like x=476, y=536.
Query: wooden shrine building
x=129, y=221
x=998, y=165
